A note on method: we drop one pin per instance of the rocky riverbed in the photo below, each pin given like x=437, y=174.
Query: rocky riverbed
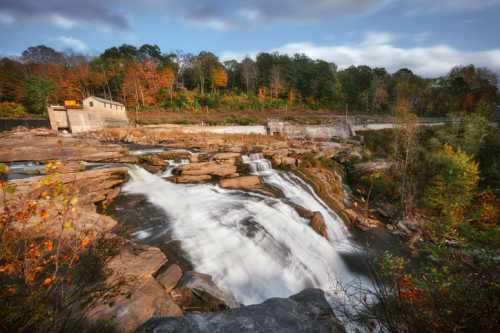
x=156, y=259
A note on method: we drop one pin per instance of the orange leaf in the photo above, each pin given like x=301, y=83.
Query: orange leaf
x=47, y=281
x=50, y=245
x=85, y=242
x=44, y=214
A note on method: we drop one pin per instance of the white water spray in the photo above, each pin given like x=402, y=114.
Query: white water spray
x=253, y=246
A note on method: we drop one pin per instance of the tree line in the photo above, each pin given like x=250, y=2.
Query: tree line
x=145, y=77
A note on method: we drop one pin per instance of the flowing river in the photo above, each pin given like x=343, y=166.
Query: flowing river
x=255, y=247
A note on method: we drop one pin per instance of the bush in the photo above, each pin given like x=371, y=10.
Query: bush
x=10, y=109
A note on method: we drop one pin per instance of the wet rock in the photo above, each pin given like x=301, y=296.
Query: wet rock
x=245, y=182
x=169, y=278
x=192, y=179
x=175, y=154
x=307, y=311
x=153, y=163
x=228, y=157
x=204, y=283
x=207, y=168
x=137, y=296
x=318, y=224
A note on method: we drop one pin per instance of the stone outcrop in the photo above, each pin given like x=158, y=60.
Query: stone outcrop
x=307, y=311
x=207, y=168
x=32, y=146
x=137, y=296
x=89, y=187
x=153, y=163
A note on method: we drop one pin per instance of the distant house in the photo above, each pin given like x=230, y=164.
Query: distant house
x=94, y=113
x=97, y=103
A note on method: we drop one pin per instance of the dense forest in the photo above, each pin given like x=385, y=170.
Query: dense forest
x=146, y=78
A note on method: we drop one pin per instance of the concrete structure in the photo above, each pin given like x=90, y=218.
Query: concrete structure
x=298, y=131
x=95, y=113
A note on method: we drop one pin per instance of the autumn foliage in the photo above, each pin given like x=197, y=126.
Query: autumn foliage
x=40, y=253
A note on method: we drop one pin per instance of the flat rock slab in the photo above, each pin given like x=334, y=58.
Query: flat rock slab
x=29, y=146
x=140, y=296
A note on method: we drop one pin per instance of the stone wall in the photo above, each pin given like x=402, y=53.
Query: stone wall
x=298, y=131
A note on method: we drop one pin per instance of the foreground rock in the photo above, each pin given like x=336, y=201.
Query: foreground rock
x=203, y=293
x=91, y=186
x=307, y=311
x=35, y=146
x=137, y=296
x=88, y=187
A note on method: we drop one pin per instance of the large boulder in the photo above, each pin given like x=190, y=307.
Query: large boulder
x=207, y=168
x=137, y=296
x=307, y=311
x=170, y=277
x=245, y=182
x=203, y=285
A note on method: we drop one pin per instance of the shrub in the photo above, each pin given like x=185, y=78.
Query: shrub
x=10, y=109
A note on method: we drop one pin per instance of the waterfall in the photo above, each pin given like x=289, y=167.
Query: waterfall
x=257, y=163
x=255, y=247
x=172, y=164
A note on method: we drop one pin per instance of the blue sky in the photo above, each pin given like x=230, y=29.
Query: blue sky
x=427, y=36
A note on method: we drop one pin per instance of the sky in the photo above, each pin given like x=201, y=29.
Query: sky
x=427, y=36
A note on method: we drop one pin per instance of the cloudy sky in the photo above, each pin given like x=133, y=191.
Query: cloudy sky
x=428, y=36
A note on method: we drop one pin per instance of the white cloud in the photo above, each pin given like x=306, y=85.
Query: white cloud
x=73, y=43
x=378, y=51
x=61, y=21
x=6, y=18
x=459, y=4
x=378, y=38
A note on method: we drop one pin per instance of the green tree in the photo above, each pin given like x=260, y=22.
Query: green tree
x=454, y=185
x=37, y=92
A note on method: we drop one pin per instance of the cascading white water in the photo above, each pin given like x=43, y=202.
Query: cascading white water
x=255, y=247
x=257, y=163
x=299, y=192
x=172, y=164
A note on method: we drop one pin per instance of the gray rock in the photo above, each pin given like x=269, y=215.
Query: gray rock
x=307, y=311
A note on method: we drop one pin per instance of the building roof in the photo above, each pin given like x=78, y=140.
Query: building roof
x=107, y=101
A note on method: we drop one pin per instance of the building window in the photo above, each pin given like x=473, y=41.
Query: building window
x=91, y=104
